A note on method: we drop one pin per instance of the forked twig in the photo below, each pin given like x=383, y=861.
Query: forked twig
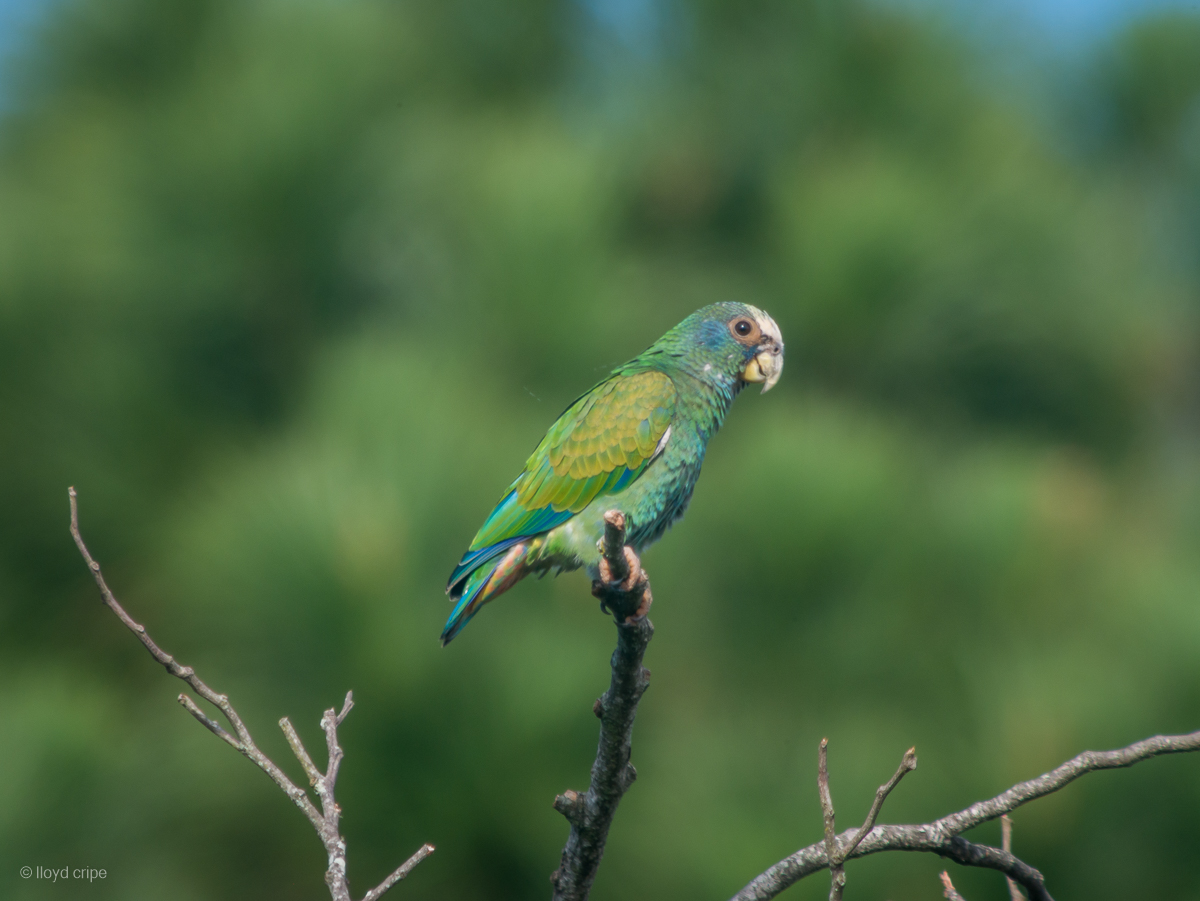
x=837, y=872
x=943, y=837
x=907, y=764
x=837, y=853
x=325, y=821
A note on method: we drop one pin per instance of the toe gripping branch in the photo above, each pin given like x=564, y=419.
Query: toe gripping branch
x=623, y=587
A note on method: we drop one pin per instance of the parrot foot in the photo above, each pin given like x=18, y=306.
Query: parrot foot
x=628, y=599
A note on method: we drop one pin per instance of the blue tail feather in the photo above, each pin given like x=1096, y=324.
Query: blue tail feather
x=487, y=581
x=473, y=560
x=464, y=609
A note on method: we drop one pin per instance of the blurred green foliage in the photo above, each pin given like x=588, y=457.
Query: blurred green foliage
x=288, y=291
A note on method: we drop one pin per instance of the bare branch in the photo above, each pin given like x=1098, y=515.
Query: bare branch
x=627, y=592
x=835, y=852
x=297, y=746
x=326, y=822
x=948, y=888
x=347, y=706
x=208, y=723
x=970, y=854
x=613, y=545
x=1014, y=893
x=837, y=872
x=244, y=743
x=400, y=872
x=942, y=836
x=907, y=764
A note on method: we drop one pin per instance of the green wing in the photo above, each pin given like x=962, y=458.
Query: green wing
x=603, y=441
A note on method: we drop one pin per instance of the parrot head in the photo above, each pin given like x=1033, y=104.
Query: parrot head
x=760, y=336
x=735, y=340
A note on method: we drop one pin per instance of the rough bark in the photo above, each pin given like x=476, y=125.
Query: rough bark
x=624, y=589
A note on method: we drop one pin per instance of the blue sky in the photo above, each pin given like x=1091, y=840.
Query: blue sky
x=1063, y=24
x=14, y=18
x=1073, y=19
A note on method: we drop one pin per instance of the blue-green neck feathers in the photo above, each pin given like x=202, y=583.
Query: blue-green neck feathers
x=705, y=362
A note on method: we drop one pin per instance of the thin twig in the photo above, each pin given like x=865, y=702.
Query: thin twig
x=326, y=822
x=293, y=740
x=1014, y=893
x=836, y=853
x=837, y=872
x=590, y=813
x=208, y=723
x=347, y=706
x=941, y=836
x=948, y=888
x=399, y=873
x=907, y=764
x=244, y=743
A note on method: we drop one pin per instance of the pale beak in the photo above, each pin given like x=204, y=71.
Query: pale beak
x=767, y=365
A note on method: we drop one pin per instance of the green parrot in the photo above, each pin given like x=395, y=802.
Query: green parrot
x=634, y=443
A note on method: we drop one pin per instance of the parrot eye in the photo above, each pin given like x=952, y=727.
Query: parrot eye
x=745, y=330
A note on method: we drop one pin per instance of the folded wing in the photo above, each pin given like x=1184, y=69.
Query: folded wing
x=602, y=442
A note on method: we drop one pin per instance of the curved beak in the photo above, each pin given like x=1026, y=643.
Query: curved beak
x=766, y=366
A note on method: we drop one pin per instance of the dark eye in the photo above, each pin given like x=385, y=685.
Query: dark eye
x=743, y=327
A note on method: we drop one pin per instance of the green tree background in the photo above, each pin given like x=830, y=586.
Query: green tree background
x=289, y=290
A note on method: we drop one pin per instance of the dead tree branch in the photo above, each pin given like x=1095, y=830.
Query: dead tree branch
x=943, y=837
x=970, y=854
x=325, y=821
x=624, y=589
x=835, y=852
x=837, y=872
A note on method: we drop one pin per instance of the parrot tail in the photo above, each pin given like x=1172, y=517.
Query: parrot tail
x=486, y=583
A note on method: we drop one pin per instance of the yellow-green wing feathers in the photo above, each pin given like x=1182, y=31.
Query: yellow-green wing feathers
x=603, y=441
x=616, y=426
